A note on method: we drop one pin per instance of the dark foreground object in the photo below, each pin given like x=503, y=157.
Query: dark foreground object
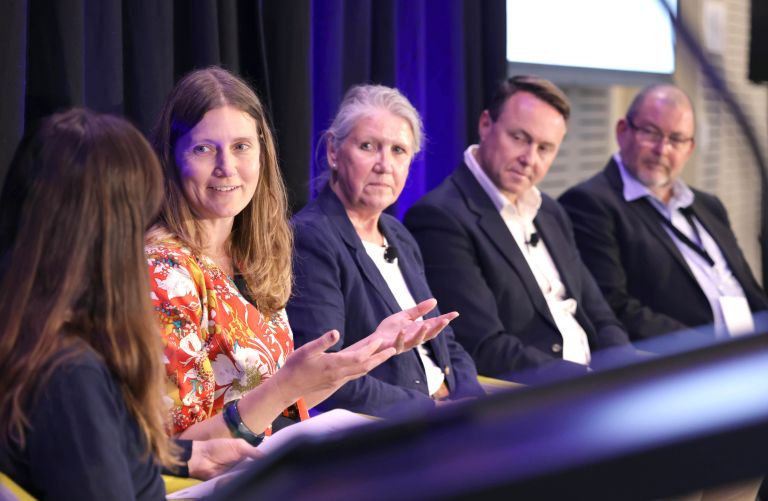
x=662, y=427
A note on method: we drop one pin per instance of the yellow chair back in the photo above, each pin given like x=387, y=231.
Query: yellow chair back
x=14, y=488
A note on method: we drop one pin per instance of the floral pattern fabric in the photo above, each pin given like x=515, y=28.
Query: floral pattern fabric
x=217, y=344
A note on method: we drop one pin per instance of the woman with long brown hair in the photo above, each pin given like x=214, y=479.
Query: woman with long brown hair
x=220, y=262
x=81, y=411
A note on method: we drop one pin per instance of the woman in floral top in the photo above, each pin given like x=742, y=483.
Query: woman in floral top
x=220, y=264
x=218, y=345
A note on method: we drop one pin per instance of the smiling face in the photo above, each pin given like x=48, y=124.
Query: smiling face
x=371, y=164
x=658, y=141
x=517, y=149
x=218, y=162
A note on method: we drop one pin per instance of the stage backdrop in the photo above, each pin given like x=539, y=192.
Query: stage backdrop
x=300, y=55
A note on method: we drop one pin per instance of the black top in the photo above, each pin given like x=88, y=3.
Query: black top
x=83, y=443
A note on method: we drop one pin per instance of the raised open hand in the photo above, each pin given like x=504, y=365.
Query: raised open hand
x=310, y=370
x=403, y=331
x=312, y=373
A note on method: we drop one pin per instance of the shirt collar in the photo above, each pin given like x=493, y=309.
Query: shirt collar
x=682, y=195
x=528, y=202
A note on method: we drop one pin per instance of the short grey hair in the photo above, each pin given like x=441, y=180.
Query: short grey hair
x=361, y=100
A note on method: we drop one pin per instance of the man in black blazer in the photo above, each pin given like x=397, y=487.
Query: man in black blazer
x=663, y=254
x=502, y=254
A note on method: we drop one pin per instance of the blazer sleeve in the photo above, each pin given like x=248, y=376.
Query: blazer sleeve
x=455, y=276
x=595, y=227
x=320, y=303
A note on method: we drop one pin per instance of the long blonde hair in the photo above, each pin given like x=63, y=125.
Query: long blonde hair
x=75, y=277
x=262, y=241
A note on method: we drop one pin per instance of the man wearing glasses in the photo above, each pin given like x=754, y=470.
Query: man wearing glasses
x=663, y=253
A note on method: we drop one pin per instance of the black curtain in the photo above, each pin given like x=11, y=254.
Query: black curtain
x=123, y=57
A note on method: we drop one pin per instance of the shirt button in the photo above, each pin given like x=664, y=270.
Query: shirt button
x=447, y=371
x=557, y=348
x=417, y=381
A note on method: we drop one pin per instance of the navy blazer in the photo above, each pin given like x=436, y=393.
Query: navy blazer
x=338, y=286
x=475, y=267
x=636, y=263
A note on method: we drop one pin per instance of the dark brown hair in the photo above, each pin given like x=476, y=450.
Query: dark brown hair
x=539, y=87
x=76, y=277
x=261, y=242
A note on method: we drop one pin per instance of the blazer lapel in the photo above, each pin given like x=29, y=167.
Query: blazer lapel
x=719, y=234
x=647, y=214
x=334, y=210
x=553, y=237
x=410, y=269
x=417, y=286
x=490, y=222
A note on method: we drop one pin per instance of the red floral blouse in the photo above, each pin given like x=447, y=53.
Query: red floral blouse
x=217, y=344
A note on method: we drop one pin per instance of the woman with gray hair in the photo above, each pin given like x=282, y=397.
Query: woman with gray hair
x=355, y=265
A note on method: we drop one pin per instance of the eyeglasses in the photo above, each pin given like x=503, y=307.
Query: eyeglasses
x=651, y=135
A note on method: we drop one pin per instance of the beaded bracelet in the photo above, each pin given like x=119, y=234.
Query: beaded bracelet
x=237, y=428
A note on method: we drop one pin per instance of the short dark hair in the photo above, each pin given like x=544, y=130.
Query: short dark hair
x=539, y=87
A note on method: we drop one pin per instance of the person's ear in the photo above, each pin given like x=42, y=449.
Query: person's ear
x=484, y=125
x=691, y=147
x=331, y=153
x=622, y=129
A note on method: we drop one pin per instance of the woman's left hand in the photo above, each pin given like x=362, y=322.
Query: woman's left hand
x=402, y=331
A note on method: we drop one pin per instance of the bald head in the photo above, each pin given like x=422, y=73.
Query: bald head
x=667, y=95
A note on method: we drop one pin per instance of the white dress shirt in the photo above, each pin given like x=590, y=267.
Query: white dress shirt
x=396, y=282
x=519, y=220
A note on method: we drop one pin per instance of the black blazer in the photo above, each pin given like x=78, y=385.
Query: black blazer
x=338, y=286
x=475, y=267
x=637, y=265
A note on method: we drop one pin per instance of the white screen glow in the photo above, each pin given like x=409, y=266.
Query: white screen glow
x=624, y=35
